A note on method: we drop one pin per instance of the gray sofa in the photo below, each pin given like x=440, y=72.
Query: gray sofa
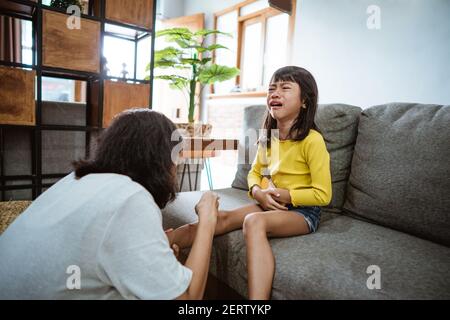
x=391, y=208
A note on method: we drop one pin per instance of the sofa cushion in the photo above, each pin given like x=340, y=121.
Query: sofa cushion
x=338, y=124
x=181, y=211
x=400, y=170
x=331, y=263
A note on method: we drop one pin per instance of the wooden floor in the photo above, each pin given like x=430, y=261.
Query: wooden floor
x=217, y=290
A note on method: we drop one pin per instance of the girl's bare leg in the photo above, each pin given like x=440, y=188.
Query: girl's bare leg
x=260, y=261
x=226, y=221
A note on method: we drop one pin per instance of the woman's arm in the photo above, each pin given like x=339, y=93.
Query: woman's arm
x=199, y=256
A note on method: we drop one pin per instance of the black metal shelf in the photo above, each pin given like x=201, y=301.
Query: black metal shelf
x=4, y=9
x=36, y=9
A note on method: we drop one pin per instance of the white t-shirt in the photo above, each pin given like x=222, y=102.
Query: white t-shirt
x=105, y=226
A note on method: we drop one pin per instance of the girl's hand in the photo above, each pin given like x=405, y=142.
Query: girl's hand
x=169, y=235
x=266, y=199
x=176, y=251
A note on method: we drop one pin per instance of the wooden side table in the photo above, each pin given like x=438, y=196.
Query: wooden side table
x=203, y=149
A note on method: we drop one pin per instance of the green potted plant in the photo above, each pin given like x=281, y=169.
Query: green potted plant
x=190, y=52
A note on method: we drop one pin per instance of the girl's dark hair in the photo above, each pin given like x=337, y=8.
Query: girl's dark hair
x=137, y=144
x=309, y=94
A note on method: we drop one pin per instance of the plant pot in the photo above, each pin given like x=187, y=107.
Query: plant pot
x=191, y=130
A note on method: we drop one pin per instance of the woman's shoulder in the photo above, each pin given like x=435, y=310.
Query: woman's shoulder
x=112, y=188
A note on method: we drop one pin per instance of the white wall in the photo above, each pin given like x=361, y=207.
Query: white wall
x=166, y=9
x=209, y=7
x=406, y=60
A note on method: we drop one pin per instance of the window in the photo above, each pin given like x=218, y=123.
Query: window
x=275, y=53
x=27, y=41
x=119, y=55
x=56, y=89
x=123, y=48
x=253, y=7
x=251, y=55
x=260, y=44
x=228, y=22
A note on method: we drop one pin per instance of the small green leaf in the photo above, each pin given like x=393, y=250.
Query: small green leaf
x=206, y=32
x=165, y=63
x=215, y=47
x=175, y=33
x=217, y=73
x=205, y=60
x=176, y=81
x=168, y=52
x=183, y=43
x=190, y=61
x=212, y=47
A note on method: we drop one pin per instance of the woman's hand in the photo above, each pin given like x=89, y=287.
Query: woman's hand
x=207, y=208
x=266, y=198
x=200, y=254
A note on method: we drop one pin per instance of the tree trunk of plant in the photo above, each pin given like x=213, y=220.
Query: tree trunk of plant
x=191, y=101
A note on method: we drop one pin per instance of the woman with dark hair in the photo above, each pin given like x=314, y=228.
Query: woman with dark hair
x=97, y=233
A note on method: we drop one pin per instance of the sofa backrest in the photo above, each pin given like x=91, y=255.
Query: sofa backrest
x=400, y=174
x=338, y=124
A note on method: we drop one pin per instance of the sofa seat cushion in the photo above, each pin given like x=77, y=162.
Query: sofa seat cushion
x=181, y=211
x=329, y=264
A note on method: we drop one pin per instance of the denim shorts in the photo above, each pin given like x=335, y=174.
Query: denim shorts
x=311, y=215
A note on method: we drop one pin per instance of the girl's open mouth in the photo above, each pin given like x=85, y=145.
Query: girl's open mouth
x=276, y=104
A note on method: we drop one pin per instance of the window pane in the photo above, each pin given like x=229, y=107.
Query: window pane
x=55, y=89
x=143, y=57
x=276, y=45
x=27, y=42
x=119, y=56
x=252, y=64
x=227, y=23
x=254, y=6
x=85, y=4
x=121, y=31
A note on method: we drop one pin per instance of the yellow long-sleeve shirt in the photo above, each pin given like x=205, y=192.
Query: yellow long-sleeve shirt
x=302, y=167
